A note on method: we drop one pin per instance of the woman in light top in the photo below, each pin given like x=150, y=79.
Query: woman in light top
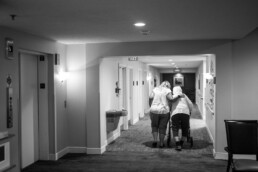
x=181, y=110
x=160, y=112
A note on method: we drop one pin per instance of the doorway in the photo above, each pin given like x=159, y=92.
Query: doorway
x=189, y=83
x=29, y=109
x=34, y=107
x=137, y=74
x=131, y=95
x=123, y=96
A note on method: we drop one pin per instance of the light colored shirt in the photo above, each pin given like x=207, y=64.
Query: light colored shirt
x=160, y=103
x=182, y=105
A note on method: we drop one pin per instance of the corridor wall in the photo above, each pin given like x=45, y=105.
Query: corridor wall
x=76, y=98
x=244, y=77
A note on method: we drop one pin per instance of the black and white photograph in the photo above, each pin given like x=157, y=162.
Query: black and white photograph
x=128, y=85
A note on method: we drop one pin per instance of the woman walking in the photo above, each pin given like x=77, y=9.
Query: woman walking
x=160, y=112
x=181, y=110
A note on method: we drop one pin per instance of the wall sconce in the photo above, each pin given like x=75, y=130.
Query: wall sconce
x=148, y=78
x=208, y=76
x=62, y=76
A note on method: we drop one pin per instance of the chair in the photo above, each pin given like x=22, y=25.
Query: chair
x=242, y=139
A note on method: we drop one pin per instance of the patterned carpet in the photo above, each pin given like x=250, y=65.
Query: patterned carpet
x=132, y=152
x=139, y=138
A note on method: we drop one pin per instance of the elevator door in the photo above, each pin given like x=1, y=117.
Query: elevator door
x=29, y=109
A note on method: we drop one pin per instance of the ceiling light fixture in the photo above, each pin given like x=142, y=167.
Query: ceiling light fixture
x=139, y=24
x=177, y=70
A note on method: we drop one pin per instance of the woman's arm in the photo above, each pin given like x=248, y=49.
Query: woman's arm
x=189, y=102
x=151, y=98
x=152, y=95
x=172, y=98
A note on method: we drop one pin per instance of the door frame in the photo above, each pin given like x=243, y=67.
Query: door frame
x=123, y=98
x=43, y=125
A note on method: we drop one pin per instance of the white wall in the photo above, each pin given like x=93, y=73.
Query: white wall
x=76, y=96
x=244, y=78
x=199, y=89
x=224, y=88
x=210, y=96
x=108, y=98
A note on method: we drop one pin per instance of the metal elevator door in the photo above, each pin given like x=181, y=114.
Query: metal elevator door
x=29, y=109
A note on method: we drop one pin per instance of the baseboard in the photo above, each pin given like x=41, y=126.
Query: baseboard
x=65, y=151
x=77, y=150
x=103, y=149
x=114, y=137
x=224, y=156
x=53, y=157
x=96, y=150
x=220, y=155
x=210, y=135
x=59, y=154
x=135, y=121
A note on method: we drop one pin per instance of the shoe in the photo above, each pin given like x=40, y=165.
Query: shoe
x=178, y=146
x=161, y=146
x=154, y=144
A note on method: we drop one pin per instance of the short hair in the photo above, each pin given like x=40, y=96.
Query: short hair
x=165, y=84
x=177, y=90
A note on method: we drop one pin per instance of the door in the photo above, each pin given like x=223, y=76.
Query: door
x=29, y=109
x=140, y=94
x=123, y=95
x=145, y=91
x=131, y=84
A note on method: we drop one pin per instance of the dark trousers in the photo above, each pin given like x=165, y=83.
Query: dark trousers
x=180, y=120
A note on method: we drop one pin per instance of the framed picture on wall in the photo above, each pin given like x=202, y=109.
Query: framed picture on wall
x=178, y=80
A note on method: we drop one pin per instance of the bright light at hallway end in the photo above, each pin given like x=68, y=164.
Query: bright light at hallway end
x=139, y=24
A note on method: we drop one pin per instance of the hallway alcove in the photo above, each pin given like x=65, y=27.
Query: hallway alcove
x=134, y=77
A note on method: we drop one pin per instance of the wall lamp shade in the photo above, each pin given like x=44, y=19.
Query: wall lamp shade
x=148, y=78
x=208, y=76
x=62, y=76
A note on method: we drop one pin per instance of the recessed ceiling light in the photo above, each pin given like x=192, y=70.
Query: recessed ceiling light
x=170, y=60
x=173, y=63
x=139, y=24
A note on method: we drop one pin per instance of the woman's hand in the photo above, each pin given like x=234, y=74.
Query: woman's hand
x=181, y=95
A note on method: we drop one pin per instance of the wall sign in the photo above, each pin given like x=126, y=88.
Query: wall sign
x=9, y=51
x=132, y=58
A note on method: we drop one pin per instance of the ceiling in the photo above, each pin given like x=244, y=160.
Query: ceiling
x=166, y=62
x=98, y=21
